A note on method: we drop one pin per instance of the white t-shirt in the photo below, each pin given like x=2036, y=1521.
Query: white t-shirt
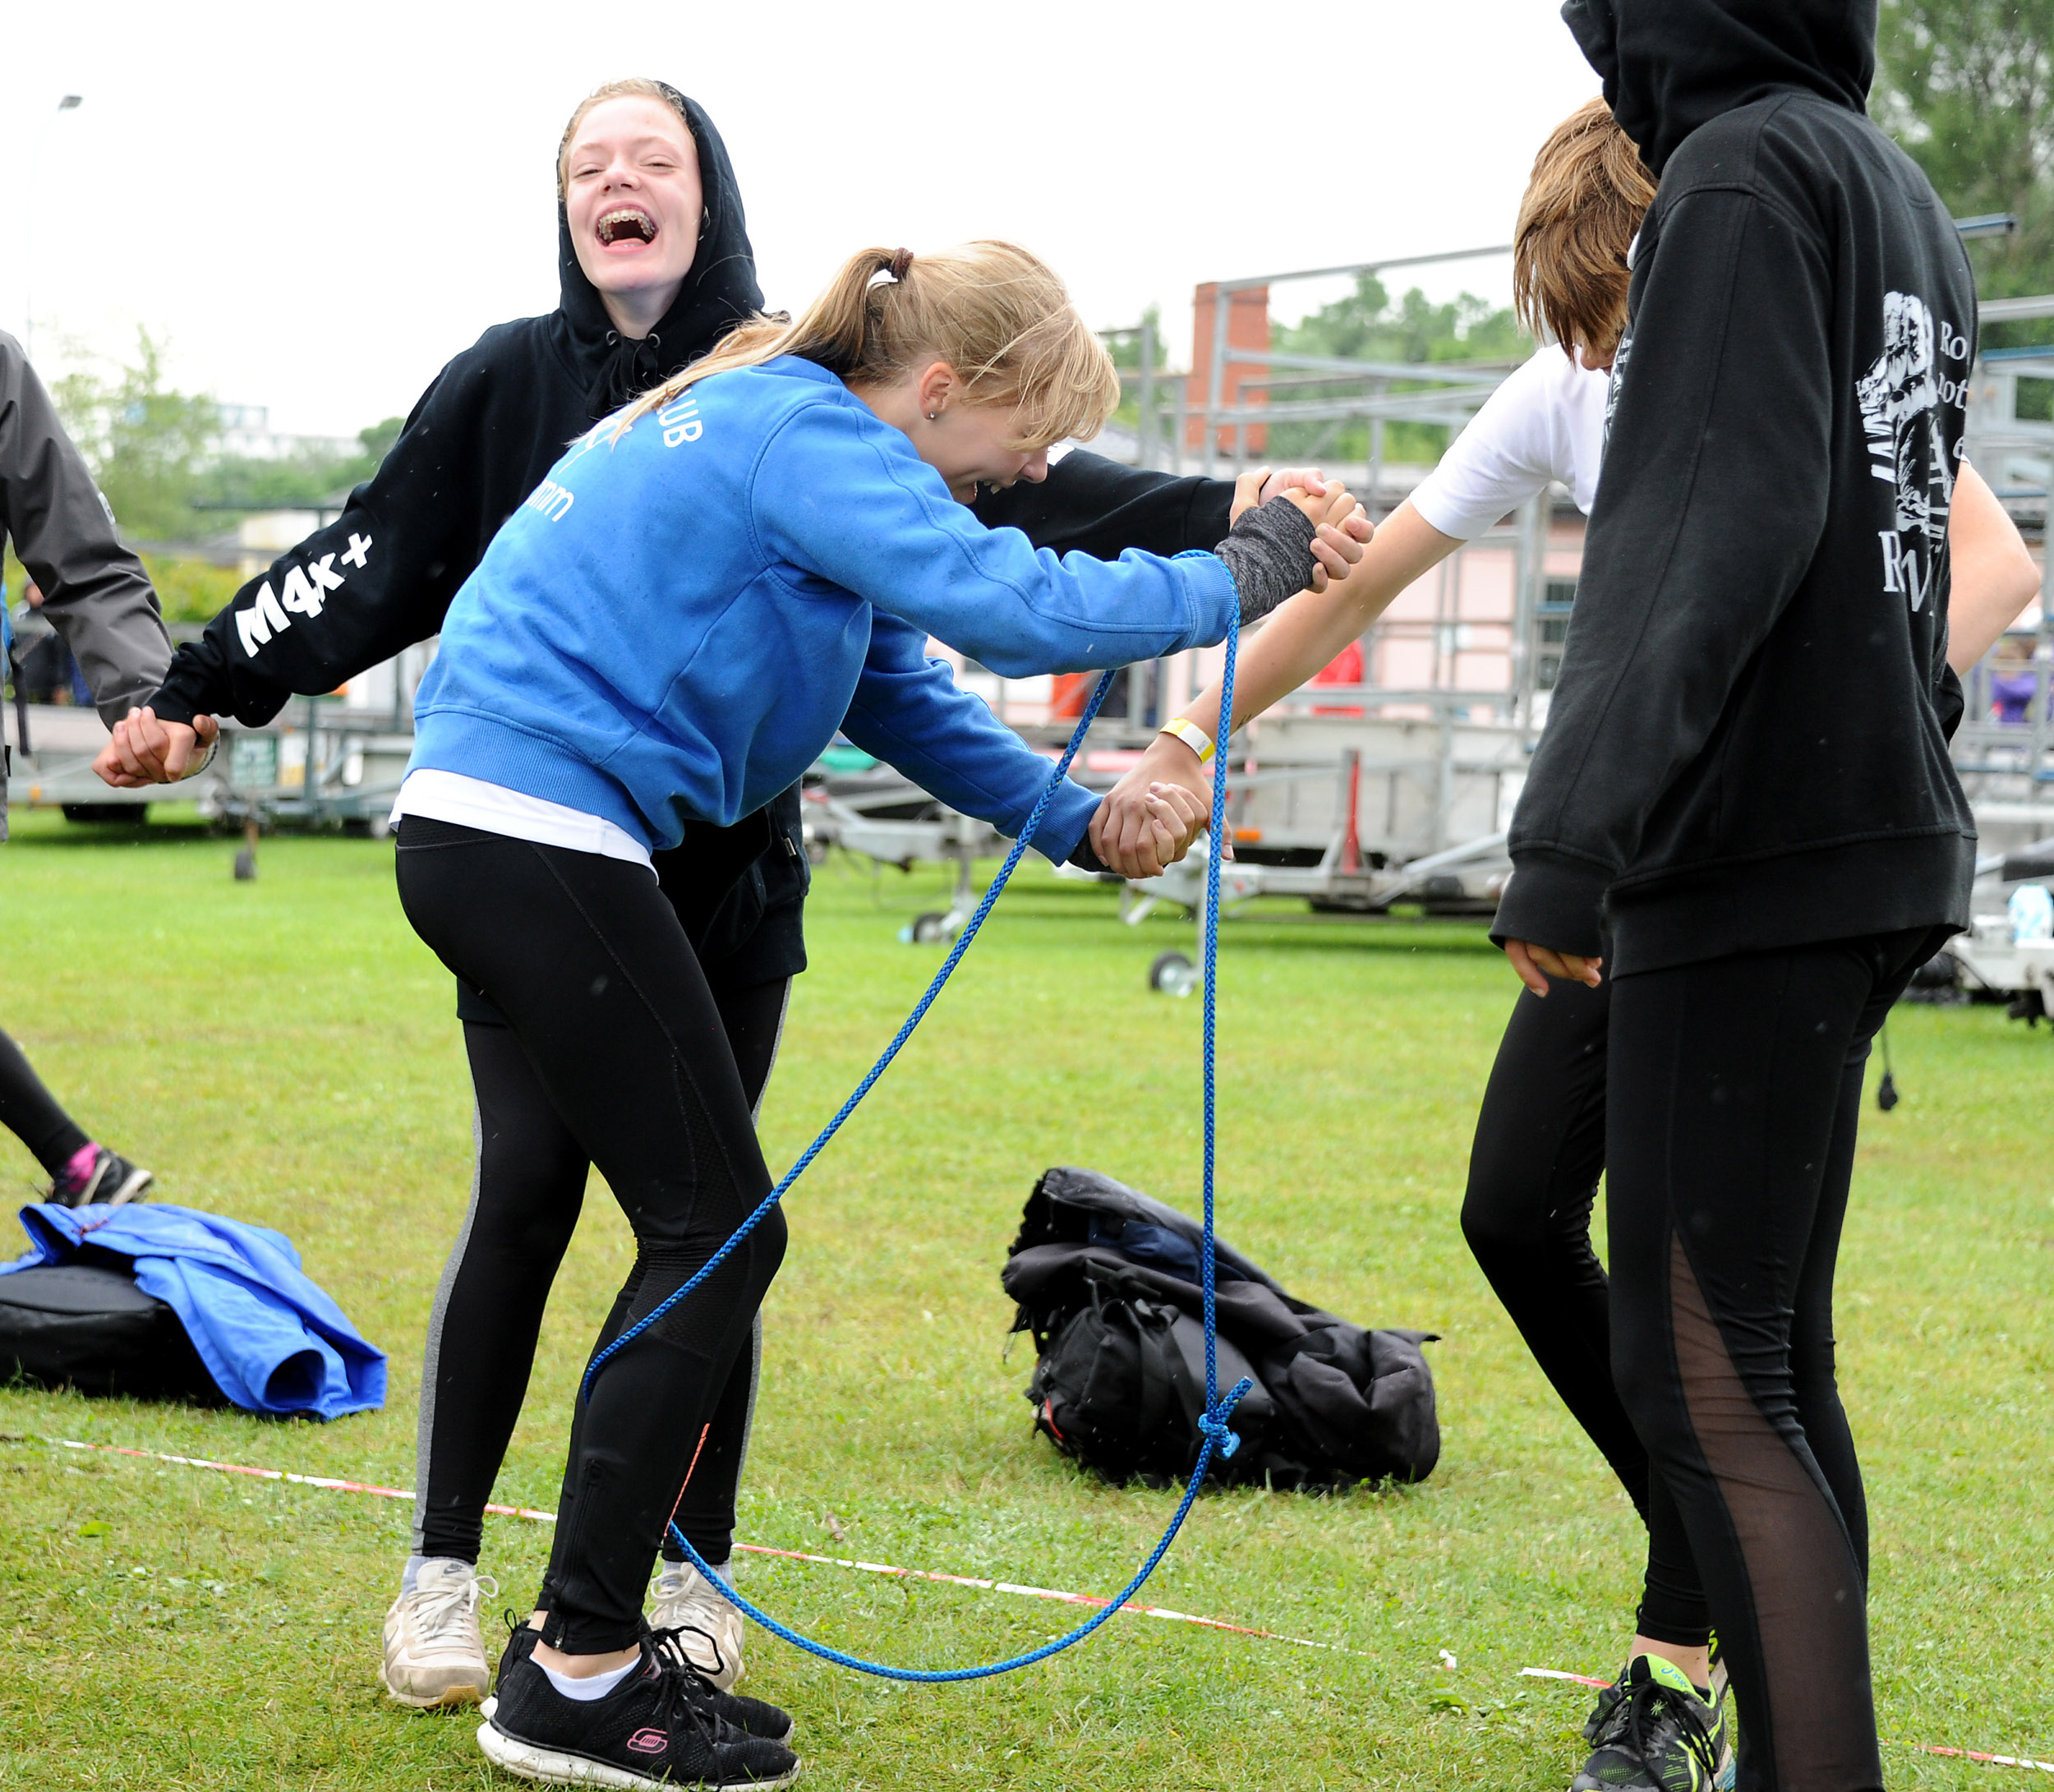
x=492, y=809
x=1545, y=423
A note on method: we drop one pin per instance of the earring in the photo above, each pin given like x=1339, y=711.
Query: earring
x=934, y=416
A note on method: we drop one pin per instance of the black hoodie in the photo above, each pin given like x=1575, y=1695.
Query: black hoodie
x=1745, y=750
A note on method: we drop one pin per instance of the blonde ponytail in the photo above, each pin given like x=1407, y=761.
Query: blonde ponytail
x=996, y=313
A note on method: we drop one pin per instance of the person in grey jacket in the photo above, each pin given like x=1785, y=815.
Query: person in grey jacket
x=100, y=598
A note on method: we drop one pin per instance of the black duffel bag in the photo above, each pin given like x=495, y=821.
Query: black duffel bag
x=1107, y=1280
x=88, y=1326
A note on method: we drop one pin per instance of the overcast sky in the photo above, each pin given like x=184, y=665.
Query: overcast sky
x=318, y=205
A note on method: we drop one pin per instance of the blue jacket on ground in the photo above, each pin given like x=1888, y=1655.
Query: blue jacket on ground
x=273, y=1340
x=674, y=625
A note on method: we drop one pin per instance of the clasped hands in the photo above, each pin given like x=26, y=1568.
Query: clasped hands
x=1149, y=818
x=146, y=750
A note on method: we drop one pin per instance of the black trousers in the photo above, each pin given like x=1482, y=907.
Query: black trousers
x=1733, y=1097
x=527, y=1191
x=30, y=1111
x=1533, y=1179
x=589, y=964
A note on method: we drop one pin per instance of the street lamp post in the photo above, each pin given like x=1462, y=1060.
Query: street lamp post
x=69, y=103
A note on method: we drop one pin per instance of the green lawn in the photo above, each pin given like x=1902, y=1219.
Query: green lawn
x=284, y=1052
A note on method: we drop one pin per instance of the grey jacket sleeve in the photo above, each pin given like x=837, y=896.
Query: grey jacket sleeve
x=95, y=590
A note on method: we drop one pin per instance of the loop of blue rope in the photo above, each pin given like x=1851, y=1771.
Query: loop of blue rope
x=1213, y=1427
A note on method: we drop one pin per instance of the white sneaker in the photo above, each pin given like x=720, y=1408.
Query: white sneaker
x=696, y=1627
x=434, y=1653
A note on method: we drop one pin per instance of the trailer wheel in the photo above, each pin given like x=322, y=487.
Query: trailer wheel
x=1173, y=974
x=924, y=929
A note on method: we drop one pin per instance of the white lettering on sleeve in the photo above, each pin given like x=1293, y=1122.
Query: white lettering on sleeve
x=261, y=620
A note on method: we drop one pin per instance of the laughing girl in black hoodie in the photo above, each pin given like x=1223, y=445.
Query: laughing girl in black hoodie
x=1745, y=773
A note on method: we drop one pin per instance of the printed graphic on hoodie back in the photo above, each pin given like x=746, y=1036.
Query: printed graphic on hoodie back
x=1900, y=396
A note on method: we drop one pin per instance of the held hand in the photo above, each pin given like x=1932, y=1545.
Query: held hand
x=143, y=750
x=1344, y=526
x=1169, y=789
x=1163, y=822
x=1308, y=479
x=1260, y=484
x=1536, y=964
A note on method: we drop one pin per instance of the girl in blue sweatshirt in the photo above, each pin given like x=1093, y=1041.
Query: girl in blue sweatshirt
x=704, y=590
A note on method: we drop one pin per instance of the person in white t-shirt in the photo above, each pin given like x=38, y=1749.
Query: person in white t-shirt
x=1540, y=1143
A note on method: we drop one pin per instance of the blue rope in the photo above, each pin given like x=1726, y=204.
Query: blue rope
x=1213, y=1425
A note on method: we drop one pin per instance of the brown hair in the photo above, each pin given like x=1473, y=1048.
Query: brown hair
x=996, y=313
x=1587, y=196
x=635, y=87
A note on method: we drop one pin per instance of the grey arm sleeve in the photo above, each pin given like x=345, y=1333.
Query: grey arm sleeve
x=95, y=590
x=1270, y=553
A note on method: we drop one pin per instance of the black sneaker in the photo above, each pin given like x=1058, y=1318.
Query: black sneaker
x=650, y=1730
x=755, y=1717
x=1653, y=1731
x=752, y=1716
x=112, y=1181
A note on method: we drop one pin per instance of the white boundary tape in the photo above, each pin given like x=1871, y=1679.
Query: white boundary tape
x=336, y=1485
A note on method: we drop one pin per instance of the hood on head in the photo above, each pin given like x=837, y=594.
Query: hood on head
x=719, y=293
x=1669, y=66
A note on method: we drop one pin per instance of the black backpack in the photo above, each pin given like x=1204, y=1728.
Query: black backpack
x=1109, y=1281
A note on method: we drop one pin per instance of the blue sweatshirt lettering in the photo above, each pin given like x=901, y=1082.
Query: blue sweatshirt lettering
x=674, y=624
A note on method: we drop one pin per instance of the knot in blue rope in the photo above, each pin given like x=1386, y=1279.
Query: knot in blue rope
x=1214, y=1424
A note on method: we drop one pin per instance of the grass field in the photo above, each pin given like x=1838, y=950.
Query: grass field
x=284, y=1052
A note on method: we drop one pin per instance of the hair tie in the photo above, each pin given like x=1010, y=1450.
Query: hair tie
x=901, y=265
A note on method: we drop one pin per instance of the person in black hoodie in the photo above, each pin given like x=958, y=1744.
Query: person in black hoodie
x=380, y=577
x=1745, y=774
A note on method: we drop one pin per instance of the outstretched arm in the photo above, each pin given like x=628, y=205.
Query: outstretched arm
x=1304, y=635
x=353, y=593
x=909, y=711
x=95, y=590
x=1088, y=504
x=842, y=497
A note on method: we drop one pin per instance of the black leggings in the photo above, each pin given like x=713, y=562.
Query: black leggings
x=1533, y=1178
x=587, y=961
x=1733, y=1101
x=30, y=1112
x=527, y=1189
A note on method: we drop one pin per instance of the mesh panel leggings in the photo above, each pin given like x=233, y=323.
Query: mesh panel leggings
x=1733, y=1096
x=587, y=959
x=30, y=1112
x=1533, y=1177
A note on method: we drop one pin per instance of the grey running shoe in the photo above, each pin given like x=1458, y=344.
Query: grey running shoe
x=1653, y=1731
x=434, y=1653
x=111, y=1181
x=703, y=1631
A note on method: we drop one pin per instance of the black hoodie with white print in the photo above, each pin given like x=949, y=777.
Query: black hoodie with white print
x=1745, y=749
x=382, y=575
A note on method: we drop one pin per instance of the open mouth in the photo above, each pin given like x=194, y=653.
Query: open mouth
x=626, y=224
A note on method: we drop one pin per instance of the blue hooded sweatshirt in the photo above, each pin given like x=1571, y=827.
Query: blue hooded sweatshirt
x=676, y=624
